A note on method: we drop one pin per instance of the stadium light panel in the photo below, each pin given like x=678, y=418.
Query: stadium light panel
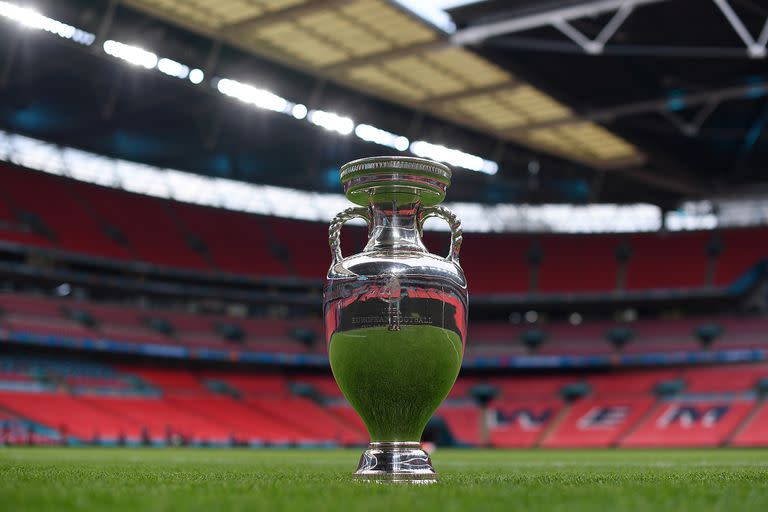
x=258, y=97
x=370, y=133
x=299, y=111
x=149, y=60
x=331, y=122
x=196, y=76
x=32, y=19
x=131, y=54
x=453, y=157
x=172, y=68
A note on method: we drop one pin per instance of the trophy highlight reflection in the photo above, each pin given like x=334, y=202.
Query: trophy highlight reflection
x=395, y=314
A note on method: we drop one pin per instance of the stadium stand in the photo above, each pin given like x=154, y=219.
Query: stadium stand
x=86, y=402
x=49, y=400
x=58, y=213
x=25, y=314
x=53, y=317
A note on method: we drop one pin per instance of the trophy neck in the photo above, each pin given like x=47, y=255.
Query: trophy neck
x=395, y=227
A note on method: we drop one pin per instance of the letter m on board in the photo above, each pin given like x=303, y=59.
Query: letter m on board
x=689, y=416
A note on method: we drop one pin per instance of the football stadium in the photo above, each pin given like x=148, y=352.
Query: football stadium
x=188, y=323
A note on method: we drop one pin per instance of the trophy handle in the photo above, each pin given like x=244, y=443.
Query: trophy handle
x=453, y=222
x=334, y=230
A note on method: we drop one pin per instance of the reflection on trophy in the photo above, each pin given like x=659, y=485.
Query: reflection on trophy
x=391, y=295
x=395, y=364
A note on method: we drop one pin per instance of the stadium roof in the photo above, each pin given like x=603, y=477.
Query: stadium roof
x=377, y=47
x=553, y=102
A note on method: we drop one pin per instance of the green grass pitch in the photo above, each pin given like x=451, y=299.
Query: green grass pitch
x=124, y=479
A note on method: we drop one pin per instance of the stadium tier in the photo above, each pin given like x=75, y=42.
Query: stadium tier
x=65, y=319
x=155, y=405
x=44, y=320
x=51, y=212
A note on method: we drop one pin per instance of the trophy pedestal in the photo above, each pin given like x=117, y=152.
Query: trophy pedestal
x=395, y=462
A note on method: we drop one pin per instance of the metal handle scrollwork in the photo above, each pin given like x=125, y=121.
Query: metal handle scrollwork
x=453, y=222
x=334, y=230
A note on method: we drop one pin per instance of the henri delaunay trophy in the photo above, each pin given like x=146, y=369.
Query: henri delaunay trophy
x=395, y=314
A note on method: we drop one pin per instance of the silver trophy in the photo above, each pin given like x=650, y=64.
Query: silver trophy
x=395, y=314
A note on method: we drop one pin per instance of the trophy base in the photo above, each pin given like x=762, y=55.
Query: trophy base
x=397, y=463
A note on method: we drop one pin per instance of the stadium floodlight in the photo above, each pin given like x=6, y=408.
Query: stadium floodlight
x=258, y=97
x=299, y=111
x=131, y=54
x=172, y=68
x=149, y=60
x=196, y=76
x=453, y=157
x=370, y=133
x=331, y=122
x=32, y=19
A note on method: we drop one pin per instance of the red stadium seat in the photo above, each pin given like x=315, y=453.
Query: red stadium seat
x=161, y=417
x=755, y=430
x=463, y=422
x=667, y=261
x=303, y=414
x=348, y=416
x=254, y=385
x=722, y=379
x=53, y=200
x=242, y=421
x=498, y=262
x=569, y=264
x=236, y=242
x=741, y=250
x=629, y=383
x=150, y=229
x=74, y=416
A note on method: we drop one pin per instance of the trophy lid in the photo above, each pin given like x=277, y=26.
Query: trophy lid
x=401, y=178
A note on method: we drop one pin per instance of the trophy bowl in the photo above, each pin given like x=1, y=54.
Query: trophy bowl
x=395, y=314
